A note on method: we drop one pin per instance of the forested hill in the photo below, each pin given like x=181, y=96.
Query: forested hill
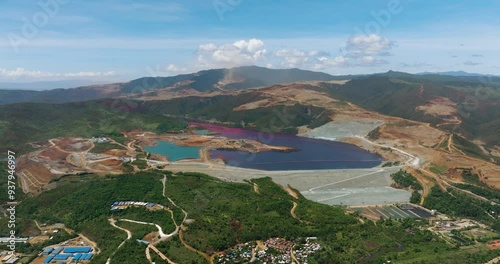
x=226, y=214
x=468, y=108
x=207, y=80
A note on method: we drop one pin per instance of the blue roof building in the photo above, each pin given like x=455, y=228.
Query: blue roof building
x=57, y=250
x=63, y=256
x=47, y=250
x=77, y=250
x=48, y=259
x=86, y=256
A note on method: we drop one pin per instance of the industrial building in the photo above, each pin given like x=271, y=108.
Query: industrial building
x=67, y=254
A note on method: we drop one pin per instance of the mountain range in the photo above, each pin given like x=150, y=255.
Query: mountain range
x=469, y=105
x=203, y=81
x=45, y=85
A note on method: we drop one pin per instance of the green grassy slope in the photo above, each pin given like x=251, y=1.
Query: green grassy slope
x=277, y=118
x=28, y=122
x=228, y=213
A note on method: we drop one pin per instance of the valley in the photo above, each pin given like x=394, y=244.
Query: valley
x=406, y=143
x=298, y=148
x=262, y=132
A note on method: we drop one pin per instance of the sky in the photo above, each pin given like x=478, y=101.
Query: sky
x=119, y=40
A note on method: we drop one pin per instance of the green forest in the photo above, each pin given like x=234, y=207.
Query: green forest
x=457, y=204
x=29, y=122
x=226, y=214
x=406, y=180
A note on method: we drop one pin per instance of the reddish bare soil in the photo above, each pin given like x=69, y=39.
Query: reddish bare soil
x=64, y=156
x=115, y=152
x=53, y=154
x=73, y=144
x=111, y=162
x=417, y=138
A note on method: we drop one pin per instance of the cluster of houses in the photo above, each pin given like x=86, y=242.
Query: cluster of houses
x=280, y=244
x=126, y=204
x=305, y=250
x=280, y=253
x=241, y=253
x=265, y=257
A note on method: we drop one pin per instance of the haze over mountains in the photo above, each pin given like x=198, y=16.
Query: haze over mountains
x=45, y=85
x=208, y=80
x=468, y=105
x=457, y=73
x=202, y=81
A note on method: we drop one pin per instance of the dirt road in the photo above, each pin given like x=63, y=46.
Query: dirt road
x=179, y=227
x=294, y=259
x=90, y=242
x=493, y=261
x=190, y=248
x=162, y=256
x=412, y=161
x=256, y=187
x=129, y=236
x=292, y=211
x=163, y=236
x=113, y=223
x=424, y=181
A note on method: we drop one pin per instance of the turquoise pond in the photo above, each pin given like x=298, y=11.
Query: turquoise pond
x=202, y=132
x=172, y=151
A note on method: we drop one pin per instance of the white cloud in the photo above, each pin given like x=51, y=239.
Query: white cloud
x=328, y=62
x=309, y=59
x=370, y=61
x=292, y=57
x=86, y=74
x=23, y=73
x=415, y=65
x=252, y=45
x=207, y=47
x=472, y=63
x=368, y=45
x=367, y=50
x=359, y=51
x=241, y=52
x=172, y=68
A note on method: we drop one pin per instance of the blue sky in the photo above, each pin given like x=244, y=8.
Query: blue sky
x=117, y=40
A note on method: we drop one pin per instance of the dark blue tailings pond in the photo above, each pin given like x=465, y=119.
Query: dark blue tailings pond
x=311, y=154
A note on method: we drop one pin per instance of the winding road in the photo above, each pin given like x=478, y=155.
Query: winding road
x=412, y=161
x=129, y=236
